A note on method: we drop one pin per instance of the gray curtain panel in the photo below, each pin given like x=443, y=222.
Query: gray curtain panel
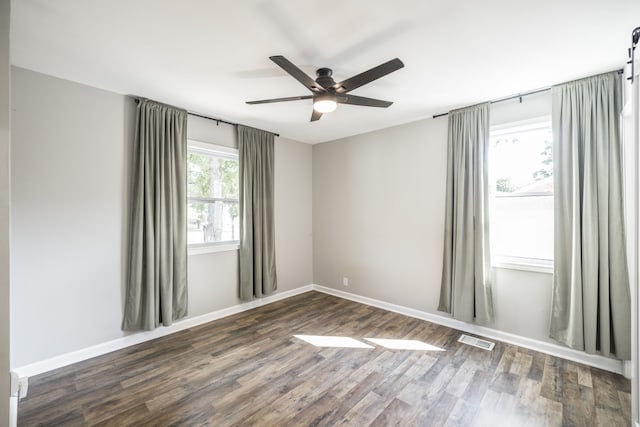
x=156, y=291
x=257, y=231
x=591, y=297
x=465, y=291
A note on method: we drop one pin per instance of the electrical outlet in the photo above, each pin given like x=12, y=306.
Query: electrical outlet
x=345, y=281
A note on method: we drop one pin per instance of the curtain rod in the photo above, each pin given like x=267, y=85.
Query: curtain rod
x=218, y=121
x=506, y=98
x=510, y=97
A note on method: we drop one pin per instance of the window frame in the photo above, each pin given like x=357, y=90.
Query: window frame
x=220, y=151
x=540, y=265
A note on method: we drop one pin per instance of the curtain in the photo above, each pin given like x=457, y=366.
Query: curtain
x=156, y=289
x=257, y=231
x=465, y=290
x=591, y=298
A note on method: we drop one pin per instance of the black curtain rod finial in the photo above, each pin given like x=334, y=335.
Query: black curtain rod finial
x=635, y=37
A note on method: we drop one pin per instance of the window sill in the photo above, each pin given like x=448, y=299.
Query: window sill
x=208, y=249
x=524, y=264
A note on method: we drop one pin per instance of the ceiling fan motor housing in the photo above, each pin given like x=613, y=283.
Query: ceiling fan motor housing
x=324, y=78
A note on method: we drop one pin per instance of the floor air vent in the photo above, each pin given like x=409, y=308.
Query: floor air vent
x=476, y=342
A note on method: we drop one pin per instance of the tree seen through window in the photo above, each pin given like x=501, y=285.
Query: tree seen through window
x=212, y=197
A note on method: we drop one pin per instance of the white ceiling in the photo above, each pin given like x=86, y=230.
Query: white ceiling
x=212, y=56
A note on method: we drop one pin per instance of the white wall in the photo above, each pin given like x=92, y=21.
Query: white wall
x=378, y=213
x=5, y=138
x=293, y=212
x=68, y=204
x=69, y=192
x=378, y=219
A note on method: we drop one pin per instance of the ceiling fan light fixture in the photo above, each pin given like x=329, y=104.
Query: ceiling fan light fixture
x=324, y=104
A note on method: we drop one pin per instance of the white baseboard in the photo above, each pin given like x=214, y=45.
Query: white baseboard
x=627, y=369
x=13, y=411
x=596, y=361
x=66, y=359
x=140, y=337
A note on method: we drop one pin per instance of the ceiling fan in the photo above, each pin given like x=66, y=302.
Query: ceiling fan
x=327, y=93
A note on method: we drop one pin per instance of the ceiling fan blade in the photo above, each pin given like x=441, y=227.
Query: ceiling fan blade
x=291, y=98
x=315, y=115
x=368, y=76
x=297, y=73
x=361, y=100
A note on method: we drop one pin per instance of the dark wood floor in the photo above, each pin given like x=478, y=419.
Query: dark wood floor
x=249, y=369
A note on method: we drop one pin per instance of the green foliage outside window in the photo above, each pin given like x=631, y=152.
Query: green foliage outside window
x=547, y=160
x=209, y=177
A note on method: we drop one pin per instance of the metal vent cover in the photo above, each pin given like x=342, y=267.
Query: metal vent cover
x=476, y=342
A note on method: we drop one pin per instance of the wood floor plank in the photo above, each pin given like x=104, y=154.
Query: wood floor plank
x=462, y=414
x=552, y=379
x=537, y=366
x=394, y=414
x=477, y=387
x=460, y=381
x=439, y=412
x=249, y=369
x=486, y=414
x=364, y=412
x=321, y=412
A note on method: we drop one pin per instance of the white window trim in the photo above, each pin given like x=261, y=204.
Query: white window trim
x=209, y=248
x=210, y=148
x=532, y=194
x=520, y=125
x=525, y=264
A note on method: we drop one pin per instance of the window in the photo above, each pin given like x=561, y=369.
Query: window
x=212, y=194
x=521, y=189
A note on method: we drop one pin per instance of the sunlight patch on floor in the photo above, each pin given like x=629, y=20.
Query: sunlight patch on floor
x=329, y=341
x=348, y=342
x=395, y=344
